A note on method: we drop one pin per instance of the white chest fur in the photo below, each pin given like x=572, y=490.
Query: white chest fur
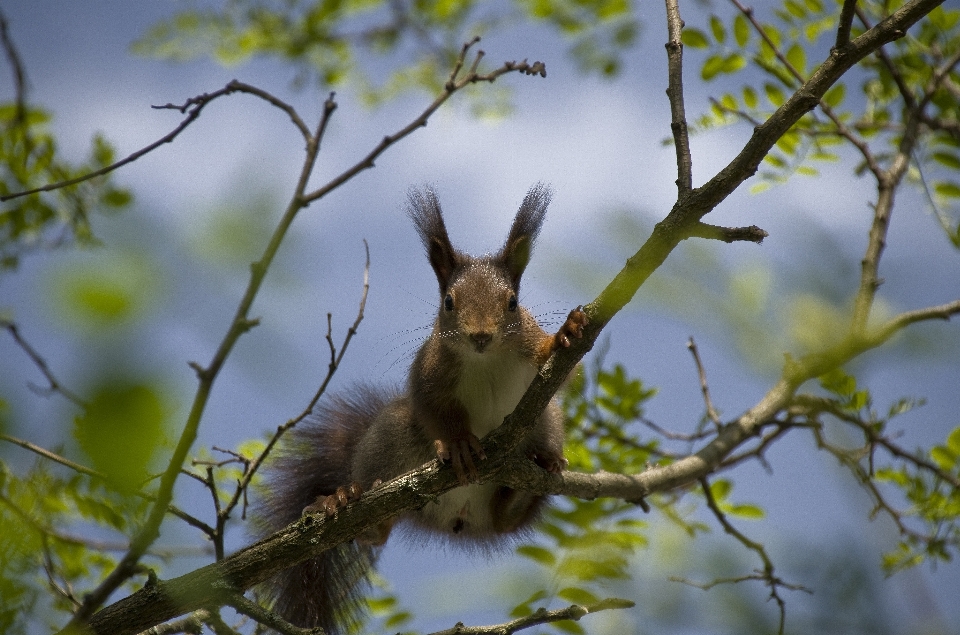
x=491, y=385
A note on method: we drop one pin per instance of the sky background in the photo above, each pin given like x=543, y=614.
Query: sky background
x=597, y=143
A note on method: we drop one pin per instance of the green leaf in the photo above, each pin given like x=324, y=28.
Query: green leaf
x=720, y=489
x=750, y=97
x=121, y=431
x=948, y=189
x=577, y=596
x=694, y=38
x=741, y=30
x=569, y=626
x=943, y=457
x=795, y=9
x=538, y=554
x=711, y=67
x=743, y=510
x=953, y=441
x=839, y=382
x=947, y=159
x=397, y=619
x=719, y=31
x=733, y=63
x=835, y=95
x=797, y=56
x=774, y=94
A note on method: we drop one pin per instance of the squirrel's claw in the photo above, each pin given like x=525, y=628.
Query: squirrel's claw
x=329, y=505
x=572, y=328
x=554, y=463
x=460, y=453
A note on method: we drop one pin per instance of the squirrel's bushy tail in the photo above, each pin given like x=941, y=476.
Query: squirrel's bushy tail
x=314, y=459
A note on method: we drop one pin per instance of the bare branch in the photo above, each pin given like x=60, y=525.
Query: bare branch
x=335, y=359
x=19, y=74
x=728, y=234
x=538, y=617
x=678, y=123
x=41, y=364
x=767, y=575
x=192, y=108
x=702, y=375
x=452, y=86
x=844, y=23
x=268, y=618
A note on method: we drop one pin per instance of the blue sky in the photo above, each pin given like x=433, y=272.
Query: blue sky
x=597, y=143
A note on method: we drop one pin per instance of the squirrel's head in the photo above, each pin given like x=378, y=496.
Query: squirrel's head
x=478, y=296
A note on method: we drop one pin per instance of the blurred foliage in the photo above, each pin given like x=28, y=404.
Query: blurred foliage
x=121, y=429
x=336, y=42
x=99, y=296
x=28, y=160
x=48, y=557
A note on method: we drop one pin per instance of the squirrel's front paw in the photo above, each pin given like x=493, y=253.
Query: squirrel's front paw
x=329, y=505
x=459, y=452
x=551, y=462
x=572, y=328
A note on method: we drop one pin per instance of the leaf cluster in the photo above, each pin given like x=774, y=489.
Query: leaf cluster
x=45, y=519
x=925, y=483
x=29, y=159
x=869, y=103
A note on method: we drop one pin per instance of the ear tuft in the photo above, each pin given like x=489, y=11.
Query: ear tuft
x=423, y=207
x=519, y=245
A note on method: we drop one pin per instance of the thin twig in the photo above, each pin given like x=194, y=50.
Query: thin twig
x=335, y=359
x=905, y=93
x=82, y=469
x=41, y=364
x=19, y=77
x=541, y=616
x=704, y=388
x=192, y=108
x=751, y=234
x=767, y=576
x=453, y=85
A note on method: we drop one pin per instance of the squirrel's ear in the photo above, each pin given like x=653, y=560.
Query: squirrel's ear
x=516, y=251
x=423, y=207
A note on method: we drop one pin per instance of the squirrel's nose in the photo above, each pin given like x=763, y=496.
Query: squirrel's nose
x=481, y=340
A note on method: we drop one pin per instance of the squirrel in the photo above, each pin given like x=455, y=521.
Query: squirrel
x=470, y=373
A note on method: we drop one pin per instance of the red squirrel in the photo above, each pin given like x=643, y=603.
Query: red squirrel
x=470, y=373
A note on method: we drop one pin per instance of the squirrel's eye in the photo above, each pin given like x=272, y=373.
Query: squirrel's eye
x=512, y=304
x=448, y=302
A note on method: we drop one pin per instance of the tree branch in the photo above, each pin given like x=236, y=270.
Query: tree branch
x=453, y=85
x=678, y=123
x=767, y=575
x=844, y=23
x=192, y=108
x=538, y=617
x=41, y=364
